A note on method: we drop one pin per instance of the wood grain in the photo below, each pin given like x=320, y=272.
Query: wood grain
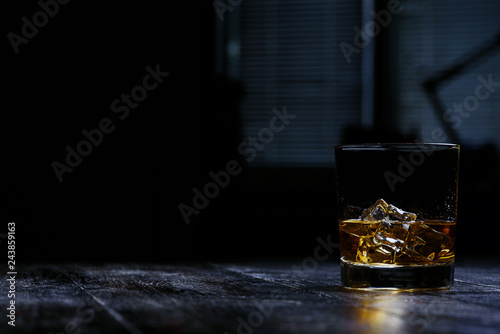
x=250, y=297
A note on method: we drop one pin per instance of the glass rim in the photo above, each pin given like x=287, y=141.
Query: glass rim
x=389, y=146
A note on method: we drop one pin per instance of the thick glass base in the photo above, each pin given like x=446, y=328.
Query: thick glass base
x=412, y=277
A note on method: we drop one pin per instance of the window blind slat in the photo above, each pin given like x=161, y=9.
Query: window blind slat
x=290, y=56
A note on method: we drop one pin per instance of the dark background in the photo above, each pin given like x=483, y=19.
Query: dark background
x=121, y=203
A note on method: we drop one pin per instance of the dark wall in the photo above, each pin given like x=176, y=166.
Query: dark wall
x=121, y=201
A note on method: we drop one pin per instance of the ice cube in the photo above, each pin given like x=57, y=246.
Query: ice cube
x=385, y=244
x=375, y=212
x=392, y=234
x=425, y=243
x=381, y=210
x=371, y=252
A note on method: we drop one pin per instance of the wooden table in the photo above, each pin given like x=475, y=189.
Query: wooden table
x=250, y=297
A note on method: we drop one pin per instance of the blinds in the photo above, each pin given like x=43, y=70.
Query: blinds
x=290, y=56
x=434, y=35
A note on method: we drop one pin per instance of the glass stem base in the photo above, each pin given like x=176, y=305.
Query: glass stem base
x=401, y=277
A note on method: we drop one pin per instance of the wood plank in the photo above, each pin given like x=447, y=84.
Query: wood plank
x=48, y=301
x=258, y=297
x=463, y=308
x=171, y=298
x=478, y=271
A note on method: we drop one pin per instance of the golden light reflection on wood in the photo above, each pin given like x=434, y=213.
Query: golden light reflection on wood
x=382, y=313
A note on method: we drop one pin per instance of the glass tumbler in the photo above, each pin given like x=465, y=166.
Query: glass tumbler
x=397, y=210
